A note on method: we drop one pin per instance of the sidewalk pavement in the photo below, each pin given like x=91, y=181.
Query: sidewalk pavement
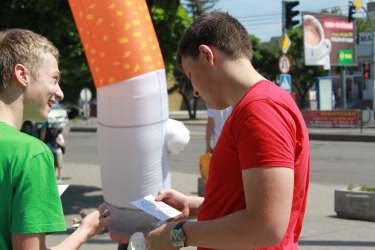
x=322, y=230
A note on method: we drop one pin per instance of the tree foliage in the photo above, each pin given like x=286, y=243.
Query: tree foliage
x=363, y=24
x=265, y=58
x=198, y=7
x=171, y=18
x=183, y=85
x=170, y=21
x=54, y=20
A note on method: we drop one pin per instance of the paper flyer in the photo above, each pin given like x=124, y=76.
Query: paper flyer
x=158, y=209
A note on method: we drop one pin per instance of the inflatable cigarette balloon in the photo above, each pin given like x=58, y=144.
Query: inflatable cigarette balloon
x=125, y=60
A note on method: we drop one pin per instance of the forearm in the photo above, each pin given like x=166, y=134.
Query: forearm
x=235, y=231
x=37, y=241
x=74, y=241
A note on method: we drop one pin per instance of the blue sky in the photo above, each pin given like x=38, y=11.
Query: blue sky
x=263, y=17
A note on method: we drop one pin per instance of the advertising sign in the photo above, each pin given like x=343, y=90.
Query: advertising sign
x=328, y=40
x=342, y=117
x=364, y=38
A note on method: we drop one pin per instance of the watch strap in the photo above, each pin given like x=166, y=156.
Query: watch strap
x=178, y=235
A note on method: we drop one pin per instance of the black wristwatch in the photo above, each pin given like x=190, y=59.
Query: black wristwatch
x=177, y=236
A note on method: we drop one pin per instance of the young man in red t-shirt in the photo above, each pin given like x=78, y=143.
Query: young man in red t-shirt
x=258, y=179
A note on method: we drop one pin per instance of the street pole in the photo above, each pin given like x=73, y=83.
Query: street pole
x=372, y=59
x=283, y=17
x=343, y=87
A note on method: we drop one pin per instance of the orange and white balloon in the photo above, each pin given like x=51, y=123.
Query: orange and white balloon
x=126, y=63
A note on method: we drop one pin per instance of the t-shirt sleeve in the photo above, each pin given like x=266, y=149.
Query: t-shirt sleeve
x=60, y=138
x=265, y=137
x=36, y=205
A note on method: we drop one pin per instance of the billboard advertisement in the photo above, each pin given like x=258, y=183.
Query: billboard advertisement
x=329, y=40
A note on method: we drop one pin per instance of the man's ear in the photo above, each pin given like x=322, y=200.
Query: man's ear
x=21, y=75
x=207, y=52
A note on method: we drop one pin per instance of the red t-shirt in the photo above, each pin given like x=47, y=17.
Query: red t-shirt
x=266, y=128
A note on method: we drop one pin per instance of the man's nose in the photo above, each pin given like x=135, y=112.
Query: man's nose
x=59, y=93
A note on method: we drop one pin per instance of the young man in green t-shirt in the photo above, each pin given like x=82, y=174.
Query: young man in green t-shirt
x=30, y=203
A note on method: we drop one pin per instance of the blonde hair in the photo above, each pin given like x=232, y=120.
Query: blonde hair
x=19, y=46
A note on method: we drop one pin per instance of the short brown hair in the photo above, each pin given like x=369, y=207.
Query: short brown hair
x=19, y=46
x=219, y=30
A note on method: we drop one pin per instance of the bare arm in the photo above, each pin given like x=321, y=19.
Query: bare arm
x=90, y=226
x=209, y=132
x=268, y=195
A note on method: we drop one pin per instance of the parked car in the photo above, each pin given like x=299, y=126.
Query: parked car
x=58, y=114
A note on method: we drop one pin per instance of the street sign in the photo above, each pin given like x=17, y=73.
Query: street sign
x=286, y=82
x=85, y=95
x=357, y=4
x=284, y=64
x=285, y=43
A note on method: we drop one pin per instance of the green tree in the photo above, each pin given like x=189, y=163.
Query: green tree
x=363, y=25
x=183, y=85
x=198, y=7
x=170, y=21
x=36, y=15
x=54, y=20
x=265, y=58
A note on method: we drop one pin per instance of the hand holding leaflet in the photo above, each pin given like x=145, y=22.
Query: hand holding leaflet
x=158, y=209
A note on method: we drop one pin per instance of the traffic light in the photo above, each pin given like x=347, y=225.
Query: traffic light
x=366, y=70
x=290, y=13
x=352, y=11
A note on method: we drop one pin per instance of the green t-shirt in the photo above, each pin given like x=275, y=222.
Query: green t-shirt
x=29, y=198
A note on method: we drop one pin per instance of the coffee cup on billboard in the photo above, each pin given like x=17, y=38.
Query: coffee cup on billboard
x=316, y=46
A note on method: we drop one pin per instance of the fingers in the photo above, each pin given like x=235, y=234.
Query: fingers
x=164, y=194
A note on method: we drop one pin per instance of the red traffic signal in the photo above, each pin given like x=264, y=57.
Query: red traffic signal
x=366, y=70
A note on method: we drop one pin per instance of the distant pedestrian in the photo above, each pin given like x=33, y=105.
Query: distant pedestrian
x=57, y=146
x=215, y=123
